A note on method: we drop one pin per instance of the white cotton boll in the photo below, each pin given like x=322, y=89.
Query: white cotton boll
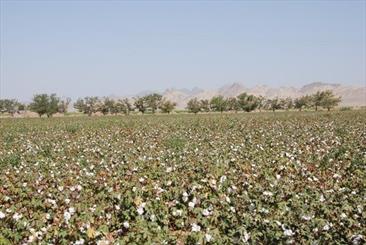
x=153, y=217
x=103, y=242
x=322, y=199
x=306, y=217
x=357, y=239
x=246, y=237
x=17, y=216
x=140, y=210
x=267, y=193
x=169, y=169
x=205, y=212
x=337, y=176
x=67, y=200
x=223, y=178
x=196, y=228
x=2, y=215
x=227, y=199
x=177, y=212
x=67, y=216
x=79, y=242
x=191, y=204
x=126, y=225
x=288, y=232
x=53, y=202
x=208, y=237
x=31, y=239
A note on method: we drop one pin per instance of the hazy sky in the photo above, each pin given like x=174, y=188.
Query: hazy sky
x=78, y=48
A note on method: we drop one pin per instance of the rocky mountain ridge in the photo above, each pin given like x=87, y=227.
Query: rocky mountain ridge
x=351, y=95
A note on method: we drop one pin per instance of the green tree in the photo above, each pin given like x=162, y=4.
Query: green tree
x=232, y=104
x=53, y=105
x=106, y=106
x=273, y=104
x=88, y=105
x=153, y=101
x=261, y=102
x=248, y=102
x=21, y=107
x=45, y=104
x=329, y=100
x=286, y=103
x=140, y=104
x=128, y=106
x=40, y=104
x=205, y=105
x=10, y=106
x=194, y=105
x=121, y=105
x=167, y=106
x=317, y=99
x=218, y=103
x=302, y=102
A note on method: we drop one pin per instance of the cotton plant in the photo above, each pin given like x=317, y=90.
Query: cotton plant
x=244, y=178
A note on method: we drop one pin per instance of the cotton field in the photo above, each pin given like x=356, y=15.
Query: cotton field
x=245, y=178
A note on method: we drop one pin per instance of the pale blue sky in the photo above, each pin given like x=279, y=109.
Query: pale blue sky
x=78, y=48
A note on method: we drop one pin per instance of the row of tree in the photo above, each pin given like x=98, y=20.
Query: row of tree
x=151, y=102
x=247, y=102
x=45, y=104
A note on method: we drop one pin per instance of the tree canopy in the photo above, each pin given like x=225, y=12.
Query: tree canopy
x=218, y=103
x=45, y=104
x=194, y=105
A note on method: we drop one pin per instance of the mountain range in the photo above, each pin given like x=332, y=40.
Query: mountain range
x=352, y=95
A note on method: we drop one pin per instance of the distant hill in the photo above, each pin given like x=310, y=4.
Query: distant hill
x=351, y=95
